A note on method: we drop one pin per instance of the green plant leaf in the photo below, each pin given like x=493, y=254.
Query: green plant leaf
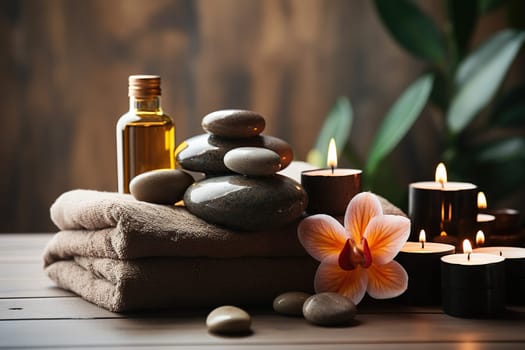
x=338, y=125
x=503, y=150
x=509, y=110
x=479, y=76
x=399, y=120
x=503, y=160
x=413, y=30
x=486, y=6
x=463, y=15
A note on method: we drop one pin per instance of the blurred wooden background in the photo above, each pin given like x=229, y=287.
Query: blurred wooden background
x=64, y=67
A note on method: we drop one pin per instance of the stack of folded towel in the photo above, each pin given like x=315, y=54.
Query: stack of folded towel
x=123, y=254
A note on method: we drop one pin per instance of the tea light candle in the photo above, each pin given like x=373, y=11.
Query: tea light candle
x=330, y=190
x=421, y=261
x=484, y=221
x=442, y=206
x=505, y=229
x=473, y=284
x=480, y=238
x=514, y=270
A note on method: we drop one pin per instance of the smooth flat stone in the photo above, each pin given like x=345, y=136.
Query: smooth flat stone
x=329, y=309
x=234, y=123
x=228, y=320
x=290, y=303
x=205, y=153
x=247, y=203
x=253, y=161
x=163, y=186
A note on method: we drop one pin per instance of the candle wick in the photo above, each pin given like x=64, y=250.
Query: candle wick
x=468, y=256
x=422, y=244
x=442, y=184
x=332, y=169
x=500, y=253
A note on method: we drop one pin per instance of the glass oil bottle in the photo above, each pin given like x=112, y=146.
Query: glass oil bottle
x=145, y=135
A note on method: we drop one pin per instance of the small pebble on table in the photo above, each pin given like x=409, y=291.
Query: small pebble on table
x=290, y=303
x=329, y=309
x=228, y=320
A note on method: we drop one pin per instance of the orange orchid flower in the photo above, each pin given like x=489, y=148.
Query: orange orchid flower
x=358, y=257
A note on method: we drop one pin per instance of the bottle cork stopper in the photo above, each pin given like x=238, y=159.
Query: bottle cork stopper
x=143, y=86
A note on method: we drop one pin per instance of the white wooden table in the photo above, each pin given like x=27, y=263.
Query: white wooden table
x=36, y=315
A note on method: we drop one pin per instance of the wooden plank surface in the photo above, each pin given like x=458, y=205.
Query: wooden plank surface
x=268, y=329
x=34, y=314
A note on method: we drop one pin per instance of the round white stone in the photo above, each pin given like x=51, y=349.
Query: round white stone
x=228, y=319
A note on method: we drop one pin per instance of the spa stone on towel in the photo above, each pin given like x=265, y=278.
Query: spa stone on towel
x=247, y=203
x=258, y=200
x=253, y=161
x=205, y=153
x=233, y=123
x=163, y=186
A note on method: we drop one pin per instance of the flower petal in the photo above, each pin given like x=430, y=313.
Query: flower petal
x=331, y=278
x=386, y=235
x=322, y=236
x=363, y=207
x=386, y=281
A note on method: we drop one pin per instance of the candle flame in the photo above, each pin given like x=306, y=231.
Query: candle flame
x=422, y=238
x=480, y=238
x=332, y=155
x=467, y=247
x=482, y=200
x=443, y=234
x=441, y=174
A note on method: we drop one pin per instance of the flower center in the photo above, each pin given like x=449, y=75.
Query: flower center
x=352, y=255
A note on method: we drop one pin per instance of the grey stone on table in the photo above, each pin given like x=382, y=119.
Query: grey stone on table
x=290, y=303
x=228, y=320
x=329, y=309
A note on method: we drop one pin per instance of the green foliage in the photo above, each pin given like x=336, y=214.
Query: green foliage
x=412, y=29
x=338, y=125
x=398, y=121
x=463, y=16
x=464, y=85
x=486, y=6
x=479, y=76
x=501, y=162
x=510, y=109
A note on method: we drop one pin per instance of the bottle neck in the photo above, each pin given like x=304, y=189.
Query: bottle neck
x=145, y=104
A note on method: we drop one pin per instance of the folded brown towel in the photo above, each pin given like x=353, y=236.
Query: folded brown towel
x=123, y=254
x=113, y=225
x=124, y=285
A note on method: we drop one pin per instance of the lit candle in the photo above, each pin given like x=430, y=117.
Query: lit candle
x=514, y=270
x=441, y=206
x=330, y=189
x=484, y=221
x=421, y=261
x=473, y=284
x=505, y=228
x=480, y=238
